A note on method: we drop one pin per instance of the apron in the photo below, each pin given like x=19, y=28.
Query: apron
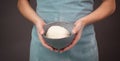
x=69, y=11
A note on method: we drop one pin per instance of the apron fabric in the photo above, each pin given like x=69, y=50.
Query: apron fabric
x=69, y=11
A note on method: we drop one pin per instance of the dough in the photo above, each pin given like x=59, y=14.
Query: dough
x=57, y=32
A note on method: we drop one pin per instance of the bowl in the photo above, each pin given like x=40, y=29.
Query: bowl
x=59, y=43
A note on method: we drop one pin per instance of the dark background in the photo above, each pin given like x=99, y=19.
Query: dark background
x=15, y=33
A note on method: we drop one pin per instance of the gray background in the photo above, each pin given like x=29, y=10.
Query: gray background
x=15, y=33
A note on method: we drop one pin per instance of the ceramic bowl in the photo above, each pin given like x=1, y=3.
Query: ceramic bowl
x=63, y=42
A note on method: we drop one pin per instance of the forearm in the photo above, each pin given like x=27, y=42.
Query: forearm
x=27, y=11
x=105, y=9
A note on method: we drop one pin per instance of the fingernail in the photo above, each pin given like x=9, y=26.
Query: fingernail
x=51, y=49
x=42, y=32
x=73, y=31
x=61, y=51
x=56, y=51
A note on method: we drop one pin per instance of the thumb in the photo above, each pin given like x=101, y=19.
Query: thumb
x=41, y=31
x=75, y=29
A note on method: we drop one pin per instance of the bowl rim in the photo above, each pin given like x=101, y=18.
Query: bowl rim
x=71, y=33
x=58, y=38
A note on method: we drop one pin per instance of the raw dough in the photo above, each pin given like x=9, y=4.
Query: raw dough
x=57, y=32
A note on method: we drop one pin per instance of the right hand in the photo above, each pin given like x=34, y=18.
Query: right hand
x=40, y=31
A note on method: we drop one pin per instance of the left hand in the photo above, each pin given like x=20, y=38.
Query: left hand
x=77, y=30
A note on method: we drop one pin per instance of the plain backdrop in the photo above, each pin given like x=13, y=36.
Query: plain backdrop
x=15, y=33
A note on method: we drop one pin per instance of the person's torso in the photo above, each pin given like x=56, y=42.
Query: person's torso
x=63, y=10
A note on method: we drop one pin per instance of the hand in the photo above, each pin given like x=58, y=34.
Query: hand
x=77, y=30
x=40, y=32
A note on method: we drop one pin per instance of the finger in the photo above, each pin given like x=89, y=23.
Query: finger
x=73, y=43
x=77, y=37
x=61, y=51
x=67, y=48
x=47, y=46
x=50, y=48
x=76, y=29
x=44, y=43
x=41, y=31
x=56, y=50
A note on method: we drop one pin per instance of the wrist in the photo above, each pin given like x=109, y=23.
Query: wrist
x=81, y=22
x=84, y=21
x=39, y=22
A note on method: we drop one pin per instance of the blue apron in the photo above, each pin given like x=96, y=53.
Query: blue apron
x=69, y=11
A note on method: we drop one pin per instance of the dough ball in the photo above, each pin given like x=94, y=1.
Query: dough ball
x=57, y=32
